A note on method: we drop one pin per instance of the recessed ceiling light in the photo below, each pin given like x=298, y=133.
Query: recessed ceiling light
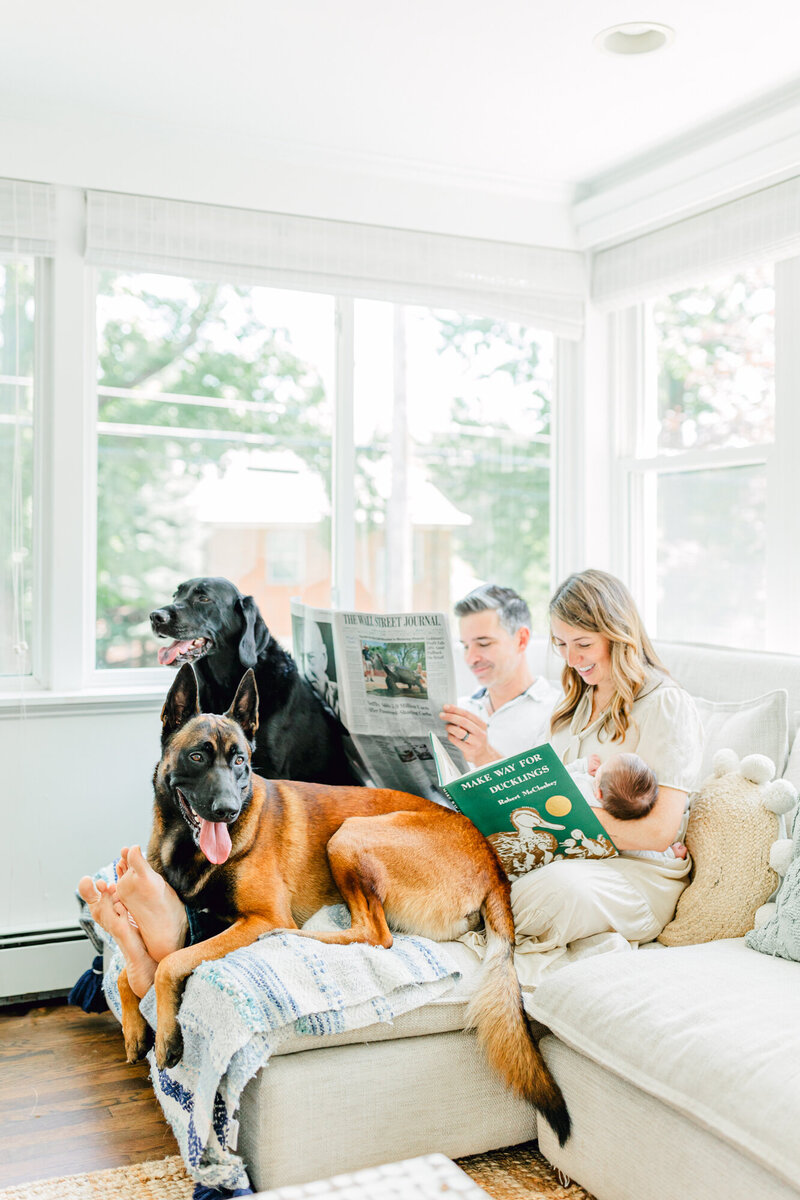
x=635, y=37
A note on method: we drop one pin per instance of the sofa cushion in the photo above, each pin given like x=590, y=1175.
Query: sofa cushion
x=444, y=1014
x=792, y=772
x=720, y=673
x=710, y=1030
x=627, y=1145
x=756, y=726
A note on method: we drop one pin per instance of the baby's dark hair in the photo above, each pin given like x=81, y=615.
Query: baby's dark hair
x=629, y=788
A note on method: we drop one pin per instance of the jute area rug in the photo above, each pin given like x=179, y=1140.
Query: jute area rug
x=518, y=1173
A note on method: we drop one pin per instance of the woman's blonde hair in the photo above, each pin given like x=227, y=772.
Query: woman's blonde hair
x=600, y=603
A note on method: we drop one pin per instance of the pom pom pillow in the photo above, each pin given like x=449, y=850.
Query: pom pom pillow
x=733, y=823
x=780, y=932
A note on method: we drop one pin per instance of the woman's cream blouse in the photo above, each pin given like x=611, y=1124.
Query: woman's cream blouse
x=664, y=730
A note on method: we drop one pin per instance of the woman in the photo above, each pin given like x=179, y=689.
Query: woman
x=618, y=698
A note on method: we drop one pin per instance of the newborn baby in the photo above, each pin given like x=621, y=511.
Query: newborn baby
x=623, y=786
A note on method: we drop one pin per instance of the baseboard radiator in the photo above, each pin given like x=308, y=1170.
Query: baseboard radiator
x=39, y=963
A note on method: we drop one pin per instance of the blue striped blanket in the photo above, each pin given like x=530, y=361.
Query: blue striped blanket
x=236, y=1012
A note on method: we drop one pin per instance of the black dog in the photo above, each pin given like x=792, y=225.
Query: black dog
x=222, y=633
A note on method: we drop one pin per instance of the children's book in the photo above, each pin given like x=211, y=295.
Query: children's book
x=528, y=807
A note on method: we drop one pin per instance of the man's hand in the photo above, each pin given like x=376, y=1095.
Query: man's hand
x=468, y=732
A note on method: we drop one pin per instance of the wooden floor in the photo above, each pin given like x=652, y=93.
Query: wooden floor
x=68, y=1100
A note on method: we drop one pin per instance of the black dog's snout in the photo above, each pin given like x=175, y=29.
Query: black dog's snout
x=159, y=617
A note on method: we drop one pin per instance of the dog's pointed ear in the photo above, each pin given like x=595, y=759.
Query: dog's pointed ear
x=254, y=632
x=244, y=710
x=181, y=703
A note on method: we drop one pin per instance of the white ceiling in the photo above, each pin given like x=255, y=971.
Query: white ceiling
x=509, y=95
x=512, y=89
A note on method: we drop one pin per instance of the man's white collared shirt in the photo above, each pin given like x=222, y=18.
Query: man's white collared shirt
x=521, y=723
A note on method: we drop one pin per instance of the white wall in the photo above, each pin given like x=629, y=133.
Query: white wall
x=76, y=788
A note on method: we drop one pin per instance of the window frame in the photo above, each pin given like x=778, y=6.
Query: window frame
x=65, y=472
x=32, y=677
x=636, y=471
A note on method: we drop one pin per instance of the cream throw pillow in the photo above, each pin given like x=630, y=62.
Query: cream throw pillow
x=757, y=726
x=733, y=823
x=792, y=772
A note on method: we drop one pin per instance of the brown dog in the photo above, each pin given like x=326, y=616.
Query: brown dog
x=267, y=854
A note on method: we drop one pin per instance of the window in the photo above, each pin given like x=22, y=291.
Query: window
x=284, y=555
x=715, y=354
x=700, y=449
x=17, y=313
x=452, y=432
x=214, y=421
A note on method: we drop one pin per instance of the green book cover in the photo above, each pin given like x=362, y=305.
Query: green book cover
x=528, y=806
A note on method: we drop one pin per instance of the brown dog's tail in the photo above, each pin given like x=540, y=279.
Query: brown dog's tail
x=496, y=1013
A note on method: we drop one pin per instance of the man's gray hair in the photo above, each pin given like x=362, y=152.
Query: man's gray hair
x=511, y=609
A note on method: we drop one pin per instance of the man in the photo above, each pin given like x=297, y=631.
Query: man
x=511, y=710
x=315, y=662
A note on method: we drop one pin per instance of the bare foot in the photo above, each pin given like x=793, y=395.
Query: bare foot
x=112, y=915
x=152, y=903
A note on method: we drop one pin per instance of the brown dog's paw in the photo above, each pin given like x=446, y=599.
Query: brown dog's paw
x=169, y=1048
x=137, y=1043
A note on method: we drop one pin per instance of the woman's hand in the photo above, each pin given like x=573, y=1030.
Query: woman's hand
x=656, y=831
x=469, y=733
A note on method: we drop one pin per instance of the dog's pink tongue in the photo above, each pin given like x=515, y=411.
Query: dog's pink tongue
x=215, y=841
x=168, y=654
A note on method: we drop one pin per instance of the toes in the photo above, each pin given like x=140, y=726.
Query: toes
x=136, y=860
x=87, y=890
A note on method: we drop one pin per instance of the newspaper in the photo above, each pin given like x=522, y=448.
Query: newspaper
x=386, y=677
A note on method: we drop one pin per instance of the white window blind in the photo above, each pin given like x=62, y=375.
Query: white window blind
x=534, y=285
x=761, y=227
x=27, y=217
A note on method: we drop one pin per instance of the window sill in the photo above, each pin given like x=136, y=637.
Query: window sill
x=41, y=703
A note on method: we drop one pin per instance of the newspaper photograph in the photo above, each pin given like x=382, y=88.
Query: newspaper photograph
x=386, y=676
x=316, y=657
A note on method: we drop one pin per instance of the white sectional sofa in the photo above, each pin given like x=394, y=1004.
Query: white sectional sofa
x=680, y=1066
x=681, y=1069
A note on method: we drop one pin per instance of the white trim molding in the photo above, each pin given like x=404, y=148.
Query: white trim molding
x=752, y=148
